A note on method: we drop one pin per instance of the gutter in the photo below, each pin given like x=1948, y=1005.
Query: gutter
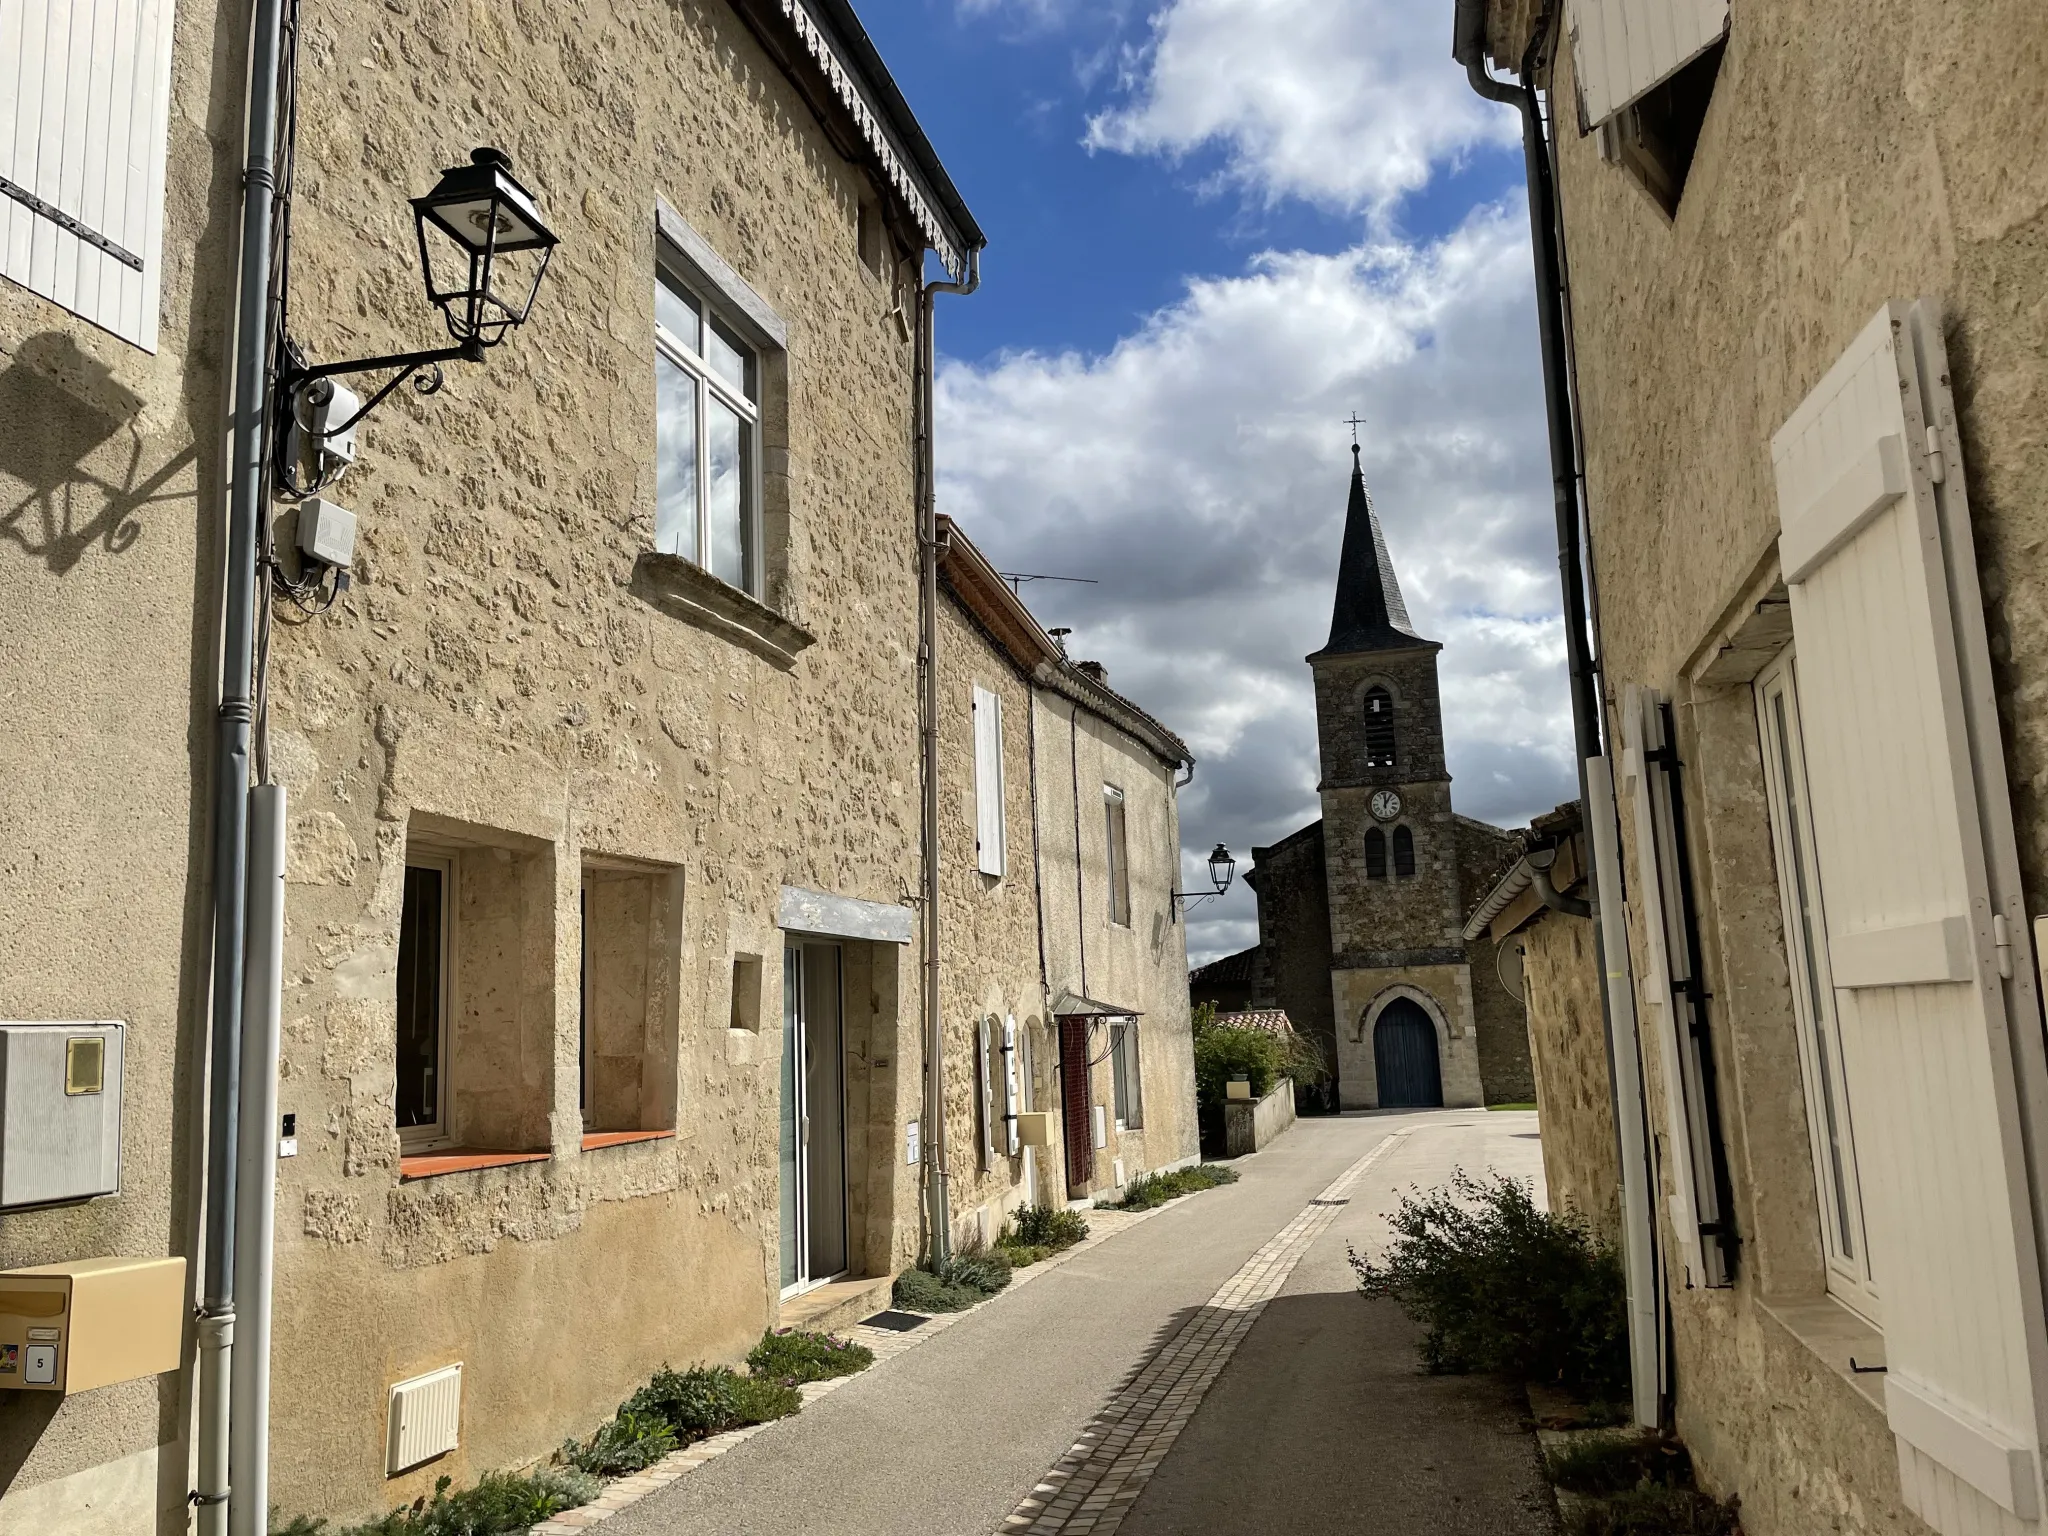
x=1596, y=778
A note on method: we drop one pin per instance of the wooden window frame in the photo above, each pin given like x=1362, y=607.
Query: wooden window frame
x=1117, y=849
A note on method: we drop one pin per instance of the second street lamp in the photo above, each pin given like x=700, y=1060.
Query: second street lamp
x=1221, y=868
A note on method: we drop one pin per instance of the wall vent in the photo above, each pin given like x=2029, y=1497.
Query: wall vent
x=426, y=1418
x=1116, y=1172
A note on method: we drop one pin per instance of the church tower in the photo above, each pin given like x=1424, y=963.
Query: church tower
x=1400, y=976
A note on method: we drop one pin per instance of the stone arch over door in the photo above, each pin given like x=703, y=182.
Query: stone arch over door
x=1417, y=999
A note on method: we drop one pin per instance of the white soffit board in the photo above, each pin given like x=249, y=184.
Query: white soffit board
x=1622, y=48
x=85, y=95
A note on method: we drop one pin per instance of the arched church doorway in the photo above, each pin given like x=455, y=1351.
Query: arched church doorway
x=1404, y=1057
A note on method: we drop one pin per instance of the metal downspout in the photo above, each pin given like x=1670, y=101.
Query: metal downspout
x=1596, y=782
x=938, y=1224
x=246, y=500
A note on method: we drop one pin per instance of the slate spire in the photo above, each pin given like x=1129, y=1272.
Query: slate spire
x=1369, y=614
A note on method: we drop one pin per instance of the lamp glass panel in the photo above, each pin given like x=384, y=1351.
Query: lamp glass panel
x=675, y=448
x=729, y=445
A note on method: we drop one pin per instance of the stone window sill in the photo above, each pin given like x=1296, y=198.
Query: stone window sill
x=684, y=590
x=592, y=1140
x=429, y=1165
x=1835, y=1335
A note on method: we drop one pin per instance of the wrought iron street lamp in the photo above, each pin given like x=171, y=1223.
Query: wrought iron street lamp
x=1221, y=868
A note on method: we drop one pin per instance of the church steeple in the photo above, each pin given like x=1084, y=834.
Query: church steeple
x=1369, y=614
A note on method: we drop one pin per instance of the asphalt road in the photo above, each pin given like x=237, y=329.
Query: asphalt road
x=946, y=1438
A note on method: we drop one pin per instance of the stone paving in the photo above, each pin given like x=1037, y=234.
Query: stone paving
x=1090, y=1490
x=886, y=1344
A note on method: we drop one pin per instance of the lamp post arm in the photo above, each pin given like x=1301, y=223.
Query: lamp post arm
x=408, y=364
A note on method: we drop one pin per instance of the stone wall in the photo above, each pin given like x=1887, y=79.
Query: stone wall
x=1498, y=1018
x=1849, y=156
x=1573, y=1087
x=1294, y=935
x=494, y=681
x=1444, y=992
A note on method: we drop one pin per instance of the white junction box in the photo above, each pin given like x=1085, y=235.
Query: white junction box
x=327, y=532
x=333, y=404
x=60, y=1111
x=426, y=1418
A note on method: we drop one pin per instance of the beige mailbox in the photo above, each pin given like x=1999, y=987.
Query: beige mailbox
x=1034, y=1128
x=73, y=1327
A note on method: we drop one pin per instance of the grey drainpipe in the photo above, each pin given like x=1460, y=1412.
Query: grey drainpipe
x=938, y=1239
x=246, y=500
x=1596, y=783
x=1550, y=895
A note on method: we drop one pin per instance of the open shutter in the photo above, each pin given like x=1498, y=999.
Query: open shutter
x=989, y=830
x=1011, y=1143
x=84, y=115
x=1672, y=992
x=1912, y=825
x=1622, y=48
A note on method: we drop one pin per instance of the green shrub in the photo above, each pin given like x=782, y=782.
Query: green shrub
x=502, y=1502
x=795, y=1355
x=919, y=1290
x=630, y=1442
x=1226, y=1051
x=1616, y=1463
x=986, y=1272
x=708, y=1400
x=1499, y=1285
x=1021, y=1255
x=1049, y=1227
x=1150, y=1189
x=1657, y=1511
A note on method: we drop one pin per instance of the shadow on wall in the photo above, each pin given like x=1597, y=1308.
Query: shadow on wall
x=51, y=432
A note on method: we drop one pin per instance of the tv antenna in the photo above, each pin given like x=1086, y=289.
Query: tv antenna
x=1016, y=579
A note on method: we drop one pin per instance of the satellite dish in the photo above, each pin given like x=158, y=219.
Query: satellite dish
x=1510, y=964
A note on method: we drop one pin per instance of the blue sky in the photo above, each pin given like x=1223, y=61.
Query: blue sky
x=1218, y=227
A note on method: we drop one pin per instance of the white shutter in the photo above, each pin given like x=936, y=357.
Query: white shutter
x=989, y=829
x=1010, y=1141
x=984, y=1093
x=85, y=94
x=1912, y=823
x=1621, y=48
x=1656, y=894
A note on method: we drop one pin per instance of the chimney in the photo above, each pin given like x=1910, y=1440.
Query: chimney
x=1095, y=670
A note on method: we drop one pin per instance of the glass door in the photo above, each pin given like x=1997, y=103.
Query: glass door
x=813, y=1122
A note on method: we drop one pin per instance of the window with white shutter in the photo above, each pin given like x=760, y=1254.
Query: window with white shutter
x=1011, y=1143
x=990, y=829
x=1935, y=994
x=1673, y=989
x=85, y=91
x=1622, y=49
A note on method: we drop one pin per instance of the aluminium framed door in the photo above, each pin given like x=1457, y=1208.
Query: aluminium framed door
x=813, y=1118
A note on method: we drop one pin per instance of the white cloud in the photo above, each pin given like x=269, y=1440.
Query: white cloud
x=1198, y=469
x=1348, y=106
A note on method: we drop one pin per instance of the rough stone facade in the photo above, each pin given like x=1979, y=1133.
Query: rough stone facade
x=1291, y=967
x=1848, y=156
x=510, y=686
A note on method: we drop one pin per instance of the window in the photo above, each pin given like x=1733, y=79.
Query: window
x=1375, y=854
x=991, y=1093
x=990, y=828
x=1127, y=1090
x=423, y=1002
x=627, y=1027
x=1404, y=854
x=1379, y=728
x=1654, y=139
x=1829, y=1123
x=1119, y=857
x=707, y=439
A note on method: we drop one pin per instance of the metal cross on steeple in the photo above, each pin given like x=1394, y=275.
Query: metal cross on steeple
x=1354, y=421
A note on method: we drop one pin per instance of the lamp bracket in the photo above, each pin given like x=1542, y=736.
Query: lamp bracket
x=298, y=375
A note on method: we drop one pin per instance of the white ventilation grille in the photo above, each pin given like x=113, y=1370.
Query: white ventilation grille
x=426, y=1418
x=1116, y=1172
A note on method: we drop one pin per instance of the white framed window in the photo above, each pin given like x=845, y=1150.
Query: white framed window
x=1117, y=852
x=1830, y=1123
x=425, y=992
x=1129, y=1092
x=990, y=1096
x=707, y=437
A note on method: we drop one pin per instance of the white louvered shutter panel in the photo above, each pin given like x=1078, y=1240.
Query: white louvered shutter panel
x=1011, y=1143
x=1622, y=48
x=1656, y=894
x=85, y=88
x=989, y=831
x=1912, y=822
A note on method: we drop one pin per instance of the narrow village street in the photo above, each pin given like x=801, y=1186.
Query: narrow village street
x=959, y=1434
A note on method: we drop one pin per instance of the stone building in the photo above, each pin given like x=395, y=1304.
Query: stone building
x=602, y=774
x=1806, y=245
x=1361, y=913
x=1069, y=805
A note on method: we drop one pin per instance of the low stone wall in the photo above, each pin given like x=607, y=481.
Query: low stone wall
x=1248, y=1126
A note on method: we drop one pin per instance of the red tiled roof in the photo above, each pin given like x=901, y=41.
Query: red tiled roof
x=1273, y=1021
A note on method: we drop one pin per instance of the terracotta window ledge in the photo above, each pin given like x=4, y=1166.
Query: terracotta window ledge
x=592, y=1140
x=427, y=1165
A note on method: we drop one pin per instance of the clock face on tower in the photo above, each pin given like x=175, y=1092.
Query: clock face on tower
x=1385, y=805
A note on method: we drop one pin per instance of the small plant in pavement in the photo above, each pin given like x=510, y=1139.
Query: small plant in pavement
x=797, y=1355
x=1655, y=1511
x=626, y=1443
x=1049, y=1227
x=501, y=1502
x=967, y=1279
x=1150, y=1189
x=1607, y=1464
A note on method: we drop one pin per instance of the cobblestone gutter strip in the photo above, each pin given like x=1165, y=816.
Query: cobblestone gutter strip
x=1094, y=1485
x=885, y=1342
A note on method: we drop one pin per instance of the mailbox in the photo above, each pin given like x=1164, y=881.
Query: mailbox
x=1034, y=1128
x=72, y=1327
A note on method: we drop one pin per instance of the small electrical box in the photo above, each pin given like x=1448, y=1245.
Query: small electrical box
x=60, y=1112
x=72, y=1327
x=327, y=532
